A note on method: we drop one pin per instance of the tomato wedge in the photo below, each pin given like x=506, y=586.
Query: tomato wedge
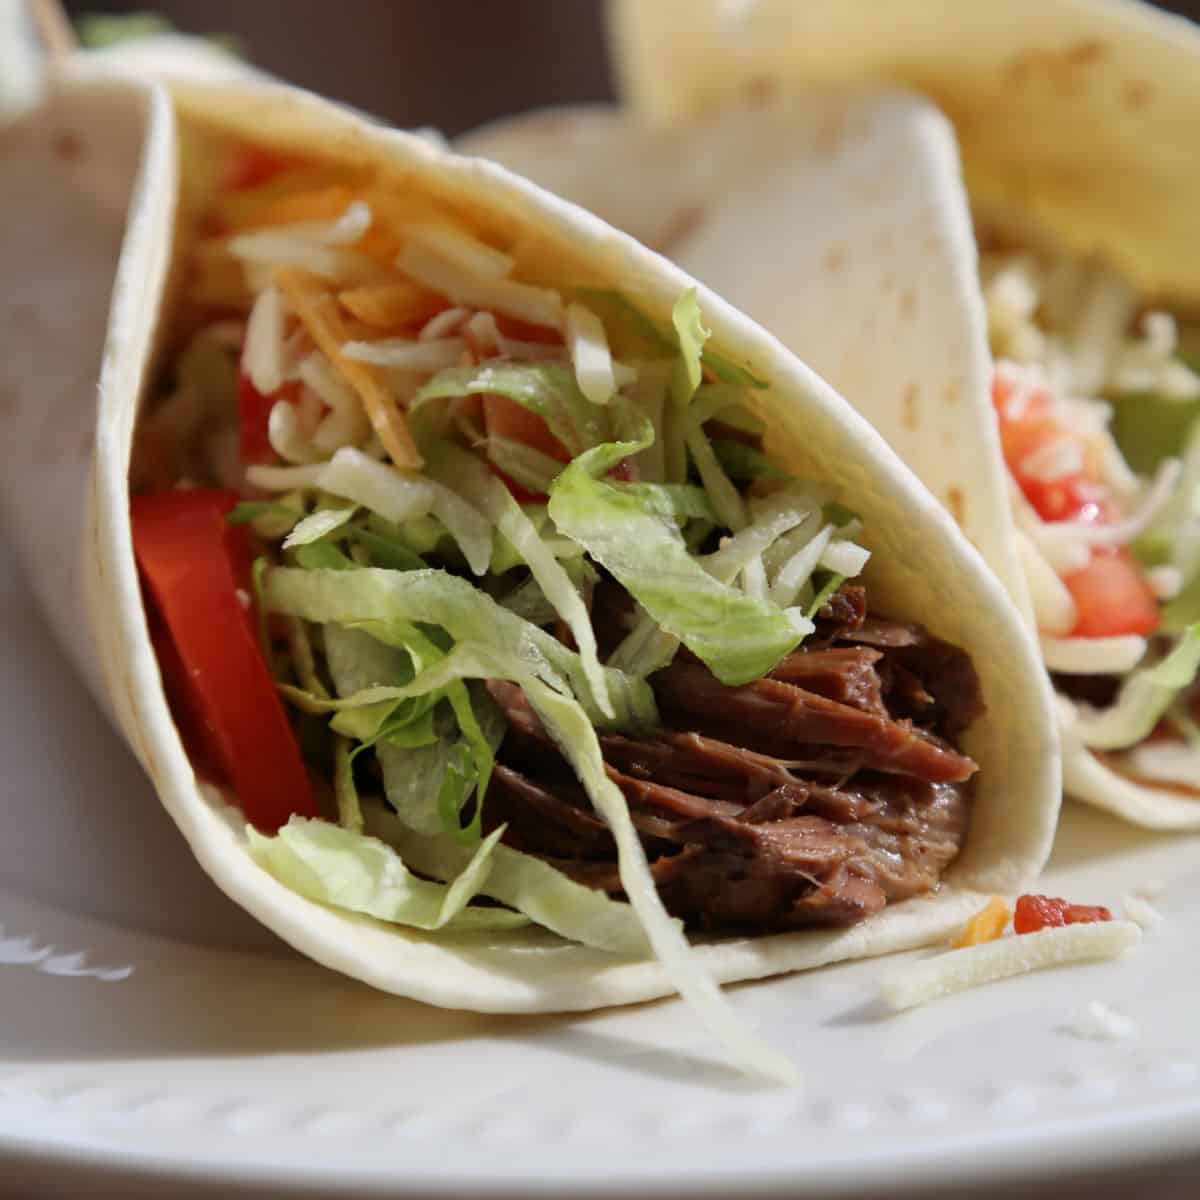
x=1044, y=912
x=193, y=563
x=1112, y=597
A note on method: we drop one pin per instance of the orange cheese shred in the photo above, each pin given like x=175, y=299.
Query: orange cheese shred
x=318, y=313
x=388, y=306
x=986, y=925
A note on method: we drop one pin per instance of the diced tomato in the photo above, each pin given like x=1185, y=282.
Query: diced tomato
x=194, y=563
x=1111, y=594
x=1045, y=912
x=254, y=412
x=1070, y=498
x=506, y=418
x=252, y=166
x=1112, y=597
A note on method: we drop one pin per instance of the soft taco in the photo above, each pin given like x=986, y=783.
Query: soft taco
x=493, y=607
x=1041, y=387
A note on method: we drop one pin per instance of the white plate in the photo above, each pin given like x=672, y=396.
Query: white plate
x=147, y=1025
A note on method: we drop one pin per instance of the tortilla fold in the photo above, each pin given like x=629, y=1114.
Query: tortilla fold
x=67, y=501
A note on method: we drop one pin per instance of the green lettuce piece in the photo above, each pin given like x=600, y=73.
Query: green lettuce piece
x=690, y=336
x=250, y=510
x=1149, y=429
x=465, y=612
x=739, y=637
x=1183, y=610
x=450, y=463
x=352, y=871
x=384, y=551
x=646, y=335
x=1145, y=696
x=547, y=389
x=744, y=463
x=532, y=469
x=318, y=525
x=528, y=884
x=344, y=789
x=676, y=502
x=322, y=556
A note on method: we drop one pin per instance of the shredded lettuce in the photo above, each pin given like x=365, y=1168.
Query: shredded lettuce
x=548, y=390
x=446, y=461
x=532, y=469
x=690, y=336
x=620, y=312
x=744, y=463
x=318, y=525
x=350, y=870
x=1145, y=696
x=528, y=884
x=739, y=637
x=465, y=612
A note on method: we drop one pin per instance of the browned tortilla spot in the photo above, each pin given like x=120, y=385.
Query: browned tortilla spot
x=908, y=408
x=956, y=503
x=952, y=393
x=760, y=90
x=834, y=260
x=908, y=304
x=1084, y=52
x=1137, y=94
x=67, y=146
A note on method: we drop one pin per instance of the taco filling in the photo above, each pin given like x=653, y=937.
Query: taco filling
x=476, y=592
x=1096, y=396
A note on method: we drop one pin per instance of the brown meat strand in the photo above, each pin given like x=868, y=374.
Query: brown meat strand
x=751, y=826
x=776, y=717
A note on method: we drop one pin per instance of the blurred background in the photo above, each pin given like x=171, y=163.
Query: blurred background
x=453, y=64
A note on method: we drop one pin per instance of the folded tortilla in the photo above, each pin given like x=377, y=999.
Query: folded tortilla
x=65, y=489
x=1073, y=121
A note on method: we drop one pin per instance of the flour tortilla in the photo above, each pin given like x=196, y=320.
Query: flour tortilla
x=1076, y=123
x=922, y=568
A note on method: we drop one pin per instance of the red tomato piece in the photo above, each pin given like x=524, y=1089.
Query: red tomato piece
x=254, y=412
x=523, y=331
x=1112, y=597
x=506, y=418
x=1045, y=912
x=252, y=166
x=193, y=563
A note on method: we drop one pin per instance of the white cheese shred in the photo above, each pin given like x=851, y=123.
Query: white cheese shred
x=590, y=355
x=1005, y=958
x=1140, y=911
x=1093, y=656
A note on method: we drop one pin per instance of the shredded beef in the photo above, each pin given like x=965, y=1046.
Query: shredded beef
x=813, y=797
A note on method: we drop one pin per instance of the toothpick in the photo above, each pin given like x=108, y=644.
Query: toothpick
x=55, y=29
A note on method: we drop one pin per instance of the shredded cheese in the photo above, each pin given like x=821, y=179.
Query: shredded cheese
x=263, y=355
x=538, y=306
x=1054, y=609
x=1140, y=911
x=318, y=312
x=460, y=248
x=958, y=970
x=588, y=346
x=443, y=324
x=406, y=355
x=1093, y=656
x=986, y=925
x=387, y=306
